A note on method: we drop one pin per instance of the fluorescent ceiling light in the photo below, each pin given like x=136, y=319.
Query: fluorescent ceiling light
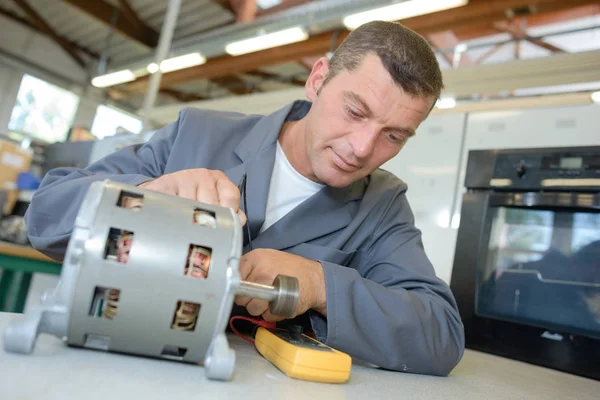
x=596, y=97
x=152, y=68
x=180, y=62
x=114, y=78
x=399, y=11
x=447, y=102
x=267, y=41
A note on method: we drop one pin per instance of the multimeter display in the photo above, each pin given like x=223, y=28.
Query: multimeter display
x=300, y=340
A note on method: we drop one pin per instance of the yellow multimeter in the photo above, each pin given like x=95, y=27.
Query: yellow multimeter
x=302, y=357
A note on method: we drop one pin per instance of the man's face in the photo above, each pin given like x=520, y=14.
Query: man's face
x=358, y=121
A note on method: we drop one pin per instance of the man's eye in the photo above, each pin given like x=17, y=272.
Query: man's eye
x=395, y=138
x=353, y=113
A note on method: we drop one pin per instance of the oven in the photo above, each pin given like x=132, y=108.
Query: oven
x=526, y=272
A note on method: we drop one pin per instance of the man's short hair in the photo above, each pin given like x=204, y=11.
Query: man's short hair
x=404, y=53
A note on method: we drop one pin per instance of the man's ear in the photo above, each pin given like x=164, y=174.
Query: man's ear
x=316, y=78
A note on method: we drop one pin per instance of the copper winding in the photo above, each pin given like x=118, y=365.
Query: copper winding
x=204, y=218
x=112, y=303
x=198, y=262
x=197, y=267
x=124, y=246
x=185, y=316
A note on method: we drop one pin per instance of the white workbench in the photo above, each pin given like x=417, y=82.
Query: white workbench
x=54, y=371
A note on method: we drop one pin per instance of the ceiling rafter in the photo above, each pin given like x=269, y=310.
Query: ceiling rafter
x=118, y=94
x=476, y=15
x=105, y=12
x=30, y=25
x=445, y=55
x=131, y=15
x=43, y=26
x=235, y=84
x=447, y=40
x=226, y=4
x=550, y=15
x=481, y=14
x=244, y=10
x=182, y=96
x=276, y=77
x=519, y=33
x=488, y=53
x=309, y=62
x=228, y=65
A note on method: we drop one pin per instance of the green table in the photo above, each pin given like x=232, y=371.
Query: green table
x=19, y=263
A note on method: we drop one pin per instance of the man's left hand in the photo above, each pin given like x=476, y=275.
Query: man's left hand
x=263, y=265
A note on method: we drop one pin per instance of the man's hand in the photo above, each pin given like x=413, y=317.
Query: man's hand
x=263, y=265
x=203, y=185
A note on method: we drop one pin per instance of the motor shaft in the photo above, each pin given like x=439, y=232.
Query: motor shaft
x=282, y=296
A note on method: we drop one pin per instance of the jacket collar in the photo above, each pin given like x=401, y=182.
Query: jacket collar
x=324, y=212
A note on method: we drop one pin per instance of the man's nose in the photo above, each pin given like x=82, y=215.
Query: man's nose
x=363, y=142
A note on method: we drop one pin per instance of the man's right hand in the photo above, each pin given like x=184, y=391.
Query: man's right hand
x=203, y=185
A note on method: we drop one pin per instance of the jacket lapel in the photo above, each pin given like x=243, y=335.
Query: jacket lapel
x=327, y=211
x=257, y=155
x=258, y=179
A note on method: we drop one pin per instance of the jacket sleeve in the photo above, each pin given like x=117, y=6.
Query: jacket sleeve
x=388, y=308
x=54, y=207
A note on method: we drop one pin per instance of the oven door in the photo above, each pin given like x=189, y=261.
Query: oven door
x=527, y=277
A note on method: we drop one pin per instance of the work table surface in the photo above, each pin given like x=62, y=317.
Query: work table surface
x=55, y=371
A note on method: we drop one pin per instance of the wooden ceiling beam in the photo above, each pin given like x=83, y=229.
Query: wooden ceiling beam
x=105, y=12
x=481, y=14
x=445, y=56
x=536, y=19
x=228, y=65
x=309, y=62
x=244, y=10
x=182, y=96
x=519, y=33
x=30, y=25
x=234, y=84
x=477, y=14
x=43, y=26
x=448, y=40
x=226, y=4
x=488, y=53
x=119, y=94
x=129, y=13
x=272, y=76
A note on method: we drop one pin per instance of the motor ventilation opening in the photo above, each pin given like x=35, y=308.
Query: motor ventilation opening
x=198, y=262
x=118, y=245
x=185, y=316
x=204, y=218
x=132, y=201
x=97, y=342
x=105, y=303
x=173, y=352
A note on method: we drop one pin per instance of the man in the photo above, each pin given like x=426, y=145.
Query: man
x=318, y=206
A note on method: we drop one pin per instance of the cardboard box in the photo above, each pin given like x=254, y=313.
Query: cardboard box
x=13, y=161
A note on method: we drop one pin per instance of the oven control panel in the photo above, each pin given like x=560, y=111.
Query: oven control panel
x=535, y=169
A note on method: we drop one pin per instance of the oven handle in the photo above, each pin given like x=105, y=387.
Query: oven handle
x=537, y=275
x=546, y=199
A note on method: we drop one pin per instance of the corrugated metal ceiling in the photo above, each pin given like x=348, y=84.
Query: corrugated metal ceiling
x=79, y=27
x=198, y=16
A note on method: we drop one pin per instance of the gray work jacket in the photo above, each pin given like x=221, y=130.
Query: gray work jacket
x=385, y=304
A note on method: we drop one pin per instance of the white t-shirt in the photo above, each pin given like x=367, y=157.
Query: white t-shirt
x=288, y=189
